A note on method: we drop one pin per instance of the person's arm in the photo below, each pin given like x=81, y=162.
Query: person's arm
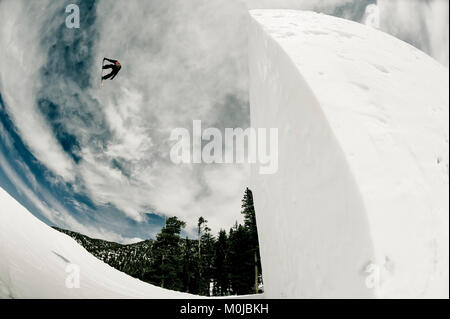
x=110, y=60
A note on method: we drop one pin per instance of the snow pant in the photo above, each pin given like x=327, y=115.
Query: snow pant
x=113, y=72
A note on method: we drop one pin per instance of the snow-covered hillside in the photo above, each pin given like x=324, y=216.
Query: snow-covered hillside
x=36, y=261
x=359, y=206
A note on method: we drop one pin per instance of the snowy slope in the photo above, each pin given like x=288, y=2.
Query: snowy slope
x=359, y=206
x=34, y=259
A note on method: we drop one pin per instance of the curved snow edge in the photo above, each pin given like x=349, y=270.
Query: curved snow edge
x=313, y=219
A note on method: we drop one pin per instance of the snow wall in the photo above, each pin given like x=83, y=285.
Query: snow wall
x=359, y=205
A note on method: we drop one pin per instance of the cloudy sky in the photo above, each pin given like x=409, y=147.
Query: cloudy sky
x=96, y=160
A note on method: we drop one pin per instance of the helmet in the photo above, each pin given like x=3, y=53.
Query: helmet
x=118, y=63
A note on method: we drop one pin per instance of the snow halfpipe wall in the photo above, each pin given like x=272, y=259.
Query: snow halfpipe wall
x=359, y=205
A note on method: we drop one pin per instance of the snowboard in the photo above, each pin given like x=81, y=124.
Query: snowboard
x=101, y=79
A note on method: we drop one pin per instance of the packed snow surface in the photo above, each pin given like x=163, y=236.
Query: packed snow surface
x=359, y=205
x=37, y=261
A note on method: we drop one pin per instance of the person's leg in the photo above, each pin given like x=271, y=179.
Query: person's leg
x=107, y=76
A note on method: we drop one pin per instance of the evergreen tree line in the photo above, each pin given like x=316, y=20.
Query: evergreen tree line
x=226, y=264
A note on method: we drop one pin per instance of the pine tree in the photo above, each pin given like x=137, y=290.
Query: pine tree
x=221, y=275
x=240, y=261
x=187, y=266
x=200, y=227
x=167, y=257
x=248, y=210
x=207, y=260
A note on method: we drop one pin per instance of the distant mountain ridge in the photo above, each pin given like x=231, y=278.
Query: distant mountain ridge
x=132, y=259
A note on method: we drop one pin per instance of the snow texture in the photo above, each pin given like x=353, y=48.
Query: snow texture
x=359, y=206
x=36, y=261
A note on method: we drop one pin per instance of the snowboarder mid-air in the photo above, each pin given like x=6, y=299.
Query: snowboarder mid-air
x=115, y=66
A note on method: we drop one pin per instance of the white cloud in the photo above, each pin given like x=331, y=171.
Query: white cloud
x=425, y=24
x=180, y=66
x=296, y=4
x=51, y=209
x=177, y=68
x=20, y=61
x=372, y=16
x=5, y=136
